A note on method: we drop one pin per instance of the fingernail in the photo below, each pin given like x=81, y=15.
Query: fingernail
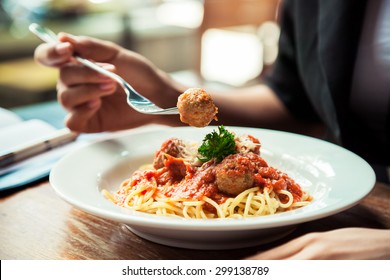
x=63, y=48
x=63, y=35
x=108, y=67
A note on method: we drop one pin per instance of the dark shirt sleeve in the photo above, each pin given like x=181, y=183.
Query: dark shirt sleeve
x=284, y=77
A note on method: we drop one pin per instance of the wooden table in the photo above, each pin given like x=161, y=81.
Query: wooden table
x=36, y=224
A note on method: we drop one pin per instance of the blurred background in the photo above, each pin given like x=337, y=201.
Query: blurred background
x=212, y=43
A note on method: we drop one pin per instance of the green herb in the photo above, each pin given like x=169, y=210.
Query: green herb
x=217, y=145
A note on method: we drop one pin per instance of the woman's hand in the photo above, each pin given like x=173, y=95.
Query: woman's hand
x=94, y=102
x=343, y=244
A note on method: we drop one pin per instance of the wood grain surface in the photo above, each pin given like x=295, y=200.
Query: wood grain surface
x=37, y=224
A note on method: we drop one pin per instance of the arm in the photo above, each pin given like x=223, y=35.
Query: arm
x=259, y=106
x=95, y=102
x=341, y=244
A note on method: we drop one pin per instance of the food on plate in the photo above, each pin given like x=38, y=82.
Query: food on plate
x=222, y=177
x=196, y=108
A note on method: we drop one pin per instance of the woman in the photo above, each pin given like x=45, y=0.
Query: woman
x=314, y=84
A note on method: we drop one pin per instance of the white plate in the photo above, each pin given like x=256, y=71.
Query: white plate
x=336, y=178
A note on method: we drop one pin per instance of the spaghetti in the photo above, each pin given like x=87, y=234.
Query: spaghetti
x=178, y=184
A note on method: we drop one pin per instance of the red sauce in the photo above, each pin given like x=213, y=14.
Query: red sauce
x=178, y=179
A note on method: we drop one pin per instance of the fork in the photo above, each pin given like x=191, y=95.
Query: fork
x=134, y=99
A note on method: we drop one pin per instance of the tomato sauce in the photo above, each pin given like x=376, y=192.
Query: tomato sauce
x=176, y=178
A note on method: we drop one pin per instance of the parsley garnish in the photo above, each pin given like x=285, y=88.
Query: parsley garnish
x=217, y=145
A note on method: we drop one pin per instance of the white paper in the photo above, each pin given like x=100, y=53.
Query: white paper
x=22, y=133
x=8, y=118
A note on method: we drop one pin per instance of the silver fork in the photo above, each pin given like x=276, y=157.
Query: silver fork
x=134, y=99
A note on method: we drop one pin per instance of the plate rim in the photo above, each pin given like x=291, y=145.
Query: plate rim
x=150, y=220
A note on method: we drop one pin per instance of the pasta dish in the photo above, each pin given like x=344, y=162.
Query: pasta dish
x=222, y=177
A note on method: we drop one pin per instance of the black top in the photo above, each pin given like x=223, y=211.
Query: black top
x=314, y=69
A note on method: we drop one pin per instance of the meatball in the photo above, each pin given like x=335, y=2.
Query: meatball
x=196, y=107
x=172, y=147
x=234, y=174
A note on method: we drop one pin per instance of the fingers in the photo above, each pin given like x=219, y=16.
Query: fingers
x=79, y=118
x=91, y=48
x=83, y=103
x=77, y=74
x=290, y=250
x=54, y=55
x=80, y=90
x=79, y=95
